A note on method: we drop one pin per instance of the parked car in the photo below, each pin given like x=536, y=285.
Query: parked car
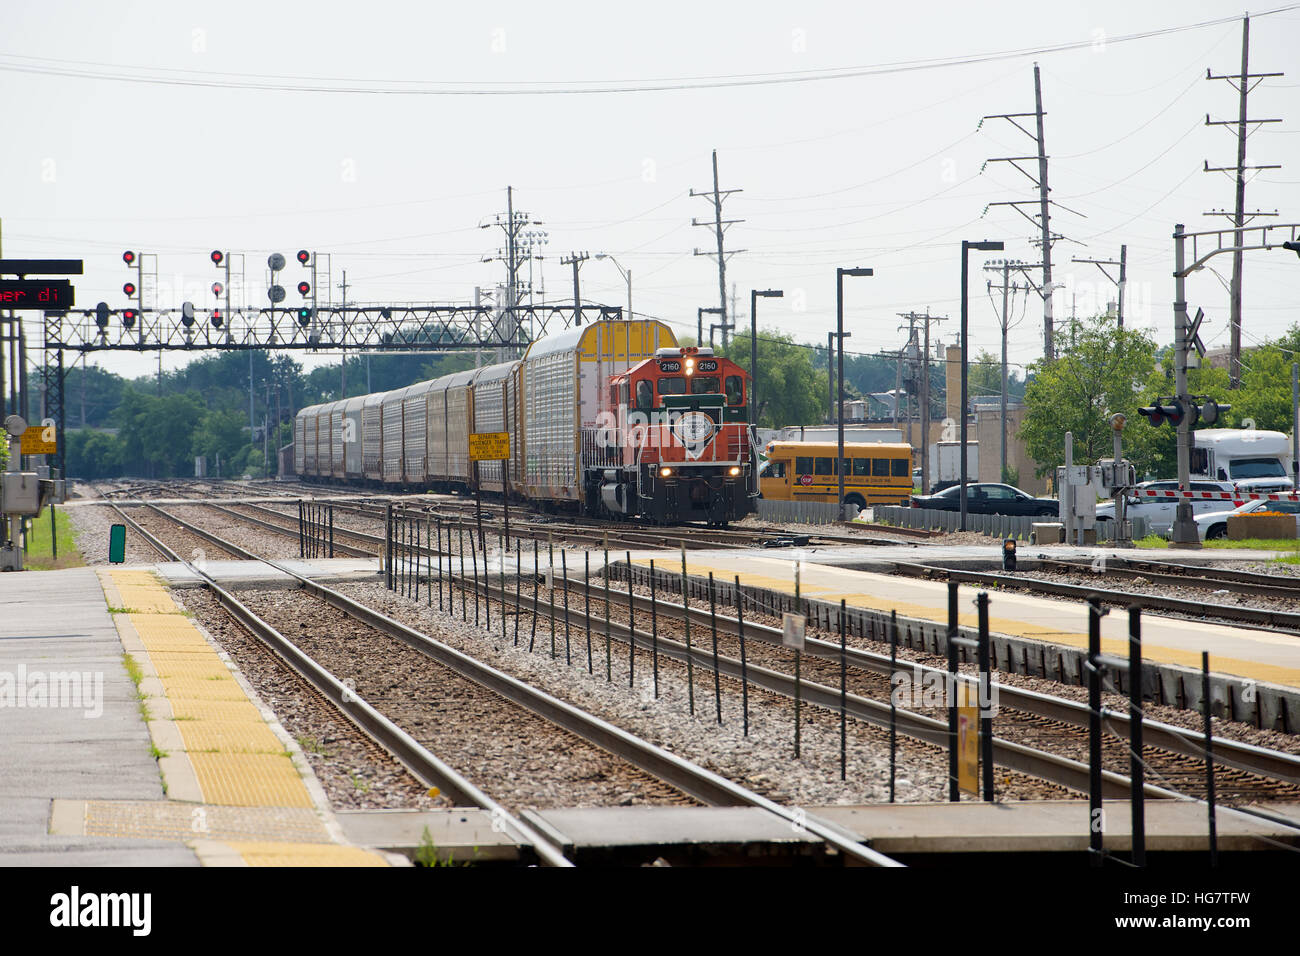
x=989, y=499
x=1214, y=524
x=1160, y=512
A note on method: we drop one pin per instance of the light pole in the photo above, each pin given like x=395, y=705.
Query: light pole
x=753, y=347
x=840, y=273
x=966, y=246
x=627, y=276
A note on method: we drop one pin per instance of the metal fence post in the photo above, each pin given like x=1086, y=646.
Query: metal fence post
x=1135, y=765
x=1096, y=814
x=954, y=794
x=1209, y=758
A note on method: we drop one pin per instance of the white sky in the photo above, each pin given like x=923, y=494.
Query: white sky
x=881, y=171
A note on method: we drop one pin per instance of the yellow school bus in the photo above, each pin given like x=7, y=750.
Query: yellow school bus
x=874, y=473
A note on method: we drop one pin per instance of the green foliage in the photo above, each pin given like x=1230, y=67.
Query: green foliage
x=94, y=454
x=788, y=388
x=984, y=378
x=1105, y=370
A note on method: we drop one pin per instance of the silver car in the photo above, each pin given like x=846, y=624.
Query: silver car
x=1214, y=524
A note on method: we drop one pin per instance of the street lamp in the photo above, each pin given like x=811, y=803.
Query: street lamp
x=753, y=347
x=966, y=246
x=627, y=276
x=839, y=337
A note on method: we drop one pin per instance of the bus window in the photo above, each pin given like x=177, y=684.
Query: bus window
x=776, y=469
x=734, y=390
x=704, y=385
x=644, y=395
x=803, y=466
x=823, y=467
x=672, y=386
x=861, y=467
x=900, y=468
x=880, y=467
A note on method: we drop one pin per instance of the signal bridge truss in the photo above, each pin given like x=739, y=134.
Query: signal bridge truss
x=355, y=328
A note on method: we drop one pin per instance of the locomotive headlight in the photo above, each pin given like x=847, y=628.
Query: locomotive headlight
x=733, y=471
x=665, y=472
x=690, y=366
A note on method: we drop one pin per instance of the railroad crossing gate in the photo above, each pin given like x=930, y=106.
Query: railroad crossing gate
x=489, y=446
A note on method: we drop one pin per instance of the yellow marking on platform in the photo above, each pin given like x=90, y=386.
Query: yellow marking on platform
x=229, y=736
x=198, y=668
x=187, y=709
x=1270, y=673
x=305, y=854
x=249, y=780
x=146, y=599
x=202, y=689
x=167, y=630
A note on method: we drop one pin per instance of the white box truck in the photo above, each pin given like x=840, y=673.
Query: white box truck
x=945, y=463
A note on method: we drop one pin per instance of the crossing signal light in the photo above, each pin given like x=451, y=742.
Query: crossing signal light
x=304, y=256
x=1165, y=411
x=128, y=289
x=217, y=257
x=217, y=288
x=304, y=288
x=128, y=257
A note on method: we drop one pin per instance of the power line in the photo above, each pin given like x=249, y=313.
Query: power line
x=104, y=72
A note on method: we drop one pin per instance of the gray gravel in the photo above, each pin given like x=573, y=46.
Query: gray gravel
x=763, y=761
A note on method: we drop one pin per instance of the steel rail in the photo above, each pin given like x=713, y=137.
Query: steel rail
x=1283, y=621
x=1190, y=577
x=346, y=549
x=424, y=765
x=704, y=785
x=1273, y=764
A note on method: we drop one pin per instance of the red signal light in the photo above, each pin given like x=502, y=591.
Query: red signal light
x=304, y=288
x=217, y=257
x=216, y=318
x=128, y=318
x=129, y=289
x=304, y=256
x=128, y=257
x=217, y=288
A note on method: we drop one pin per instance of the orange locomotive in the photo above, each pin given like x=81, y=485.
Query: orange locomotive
x=679, y=449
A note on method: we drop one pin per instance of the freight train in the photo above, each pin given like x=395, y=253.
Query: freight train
x=612, y=419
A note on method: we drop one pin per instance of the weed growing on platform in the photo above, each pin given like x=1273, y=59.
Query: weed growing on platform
x=156, y=753
x=427, y=853
x=122, y=610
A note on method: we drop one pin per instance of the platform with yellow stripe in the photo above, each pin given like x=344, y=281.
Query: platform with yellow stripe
x=1257, y=655
x=239, y=791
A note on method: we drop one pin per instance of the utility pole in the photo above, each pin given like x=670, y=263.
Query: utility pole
x=512, y=225
x=576, y=259
x=1239, y=217
x=922, y=378
x=1120, y=283
x=719, y=227
x=1041, y=221
x=343, y=366
x=830, y=380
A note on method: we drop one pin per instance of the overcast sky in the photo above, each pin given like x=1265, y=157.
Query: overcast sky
x=883, y=170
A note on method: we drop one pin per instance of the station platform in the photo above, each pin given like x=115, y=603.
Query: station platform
x=127, y=738
x=1250, y=654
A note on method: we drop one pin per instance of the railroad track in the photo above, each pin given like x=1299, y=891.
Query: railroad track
x=1266, y=618
x=695, y=781
x=1184, y=575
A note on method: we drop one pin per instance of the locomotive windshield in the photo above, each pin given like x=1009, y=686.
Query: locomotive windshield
x=704, y=385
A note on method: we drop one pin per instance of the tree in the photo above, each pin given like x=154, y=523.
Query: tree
x=788, y=389
x=1107, y=370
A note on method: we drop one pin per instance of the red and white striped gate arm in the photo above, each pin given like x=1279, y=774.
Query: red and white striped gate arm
x=1238, y=498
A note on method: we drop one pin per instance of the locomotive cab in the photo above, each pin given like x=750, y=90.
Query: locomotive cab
x=678, y=449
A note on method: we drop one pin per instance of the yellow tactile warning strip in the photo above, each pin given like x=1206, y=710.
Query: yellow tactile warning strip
x=811, y=587
x=254, y=801
x=298, y=854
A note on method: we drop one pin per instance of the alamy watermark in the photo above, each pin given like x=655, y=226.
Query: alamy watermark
x=35, y=689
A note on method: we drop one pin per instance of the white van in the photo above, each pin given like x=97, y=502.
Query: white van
x=1254, y=461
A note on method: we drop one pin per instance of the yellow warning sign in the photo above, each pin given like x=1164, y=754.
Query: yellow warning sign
x=34, y=441
x=968, y=740
x=489, y=446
